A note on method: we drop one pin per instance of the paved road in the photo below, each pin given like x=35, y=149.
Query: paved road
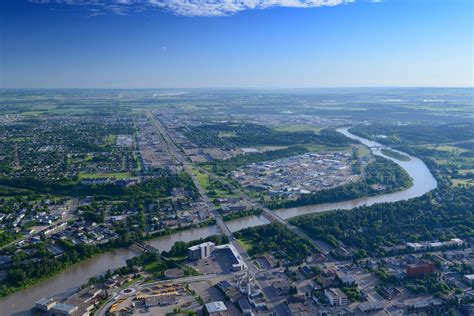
x=188, y=167
x=269, y=214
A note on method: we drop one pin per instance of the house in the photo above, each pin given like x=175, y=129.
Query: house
x=282, y=286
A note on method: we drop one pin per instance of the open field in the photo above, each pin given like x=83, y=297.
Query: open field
x=109, y=175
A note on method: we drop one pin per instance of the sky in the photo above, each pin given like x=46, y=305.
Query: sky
x=236, y=44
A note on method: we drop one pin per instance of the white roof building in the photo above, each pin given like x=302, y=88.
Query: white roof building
x=216, y=308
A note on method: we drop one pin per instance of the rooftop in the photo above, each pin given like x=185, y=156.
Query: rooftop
x=214, y=307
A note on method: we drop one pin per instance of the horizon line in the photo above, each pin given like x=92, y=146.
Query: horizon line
x=239, y=88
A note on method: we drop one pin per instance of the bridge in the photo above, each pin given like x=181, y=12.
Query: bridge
x=146, y=247
x=149, y=248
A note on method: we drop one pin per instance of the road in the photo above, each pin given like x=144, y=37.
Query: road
x=179, y=158
x=173, y=150
x=269, y=214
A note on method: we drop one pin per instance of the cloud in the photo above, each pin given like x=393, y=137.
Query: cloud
x=190, y=7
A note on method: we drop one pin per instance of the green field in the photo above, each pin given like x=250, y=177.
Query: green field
x=111, y=139
x=109, y=175
x=448, y=148
x=226, y=134
x=363, y=151
x=202, y=178
x=462, y=182
x=298, y=128
x=395, y=155
x=322, y=148
x=244, y=244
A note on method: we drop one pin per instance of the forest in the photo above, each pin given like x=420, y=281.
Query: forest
x=279, y=240
x=155, y=187
x=438, y=215
x=231, y=135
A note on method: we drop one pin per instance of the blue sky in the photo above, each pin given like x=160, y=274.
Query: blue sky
x=249, y=43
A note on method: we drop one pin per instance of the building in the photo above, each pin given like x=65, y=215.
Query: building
x=369, y=307
x=51, y=307
x=244, y=306
x=435, y=245
x=215, y=309
x=45, y=304
x=282, y=286
x=347, y=279
x=336, y=297
x=414, y=246
x=469, y=278
x=162, y=299
x=238, y=263
x=63, y=309
x=201, y=251
x=421, y=269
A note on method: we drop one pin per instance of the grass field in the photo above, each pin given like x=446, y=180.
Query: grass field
x=448, y=148
x=321, y=148
x=363, y=151
x=111, y=139
x=244, y=244
x=298, y=128
x=466, y=171
x=110, y=175
x=466, y=182
x=395, y=155
x=226, y=135
x=202, y=178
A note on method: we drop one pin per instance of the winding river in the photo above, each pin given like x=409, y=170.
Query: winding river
x=65, y=282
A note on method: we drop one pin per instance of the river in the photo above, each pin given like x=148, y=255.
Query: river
x=65, y=282
x=423, y=182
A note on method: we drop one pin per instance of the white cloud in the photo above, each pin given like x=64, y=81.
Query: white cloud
x=191, y=7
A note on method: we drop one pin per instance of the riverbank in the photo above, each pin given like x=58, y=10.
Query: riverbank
x=20, y=302
x=95, y=250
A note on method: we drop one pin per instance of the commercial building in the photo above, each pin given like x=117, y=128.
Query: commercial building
x=50, y=307
x=238, y=263
x=215, y=308
x=201, y=251
x=336, y=297
x=45, y=304
x=421, y=269
x=414, y=246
